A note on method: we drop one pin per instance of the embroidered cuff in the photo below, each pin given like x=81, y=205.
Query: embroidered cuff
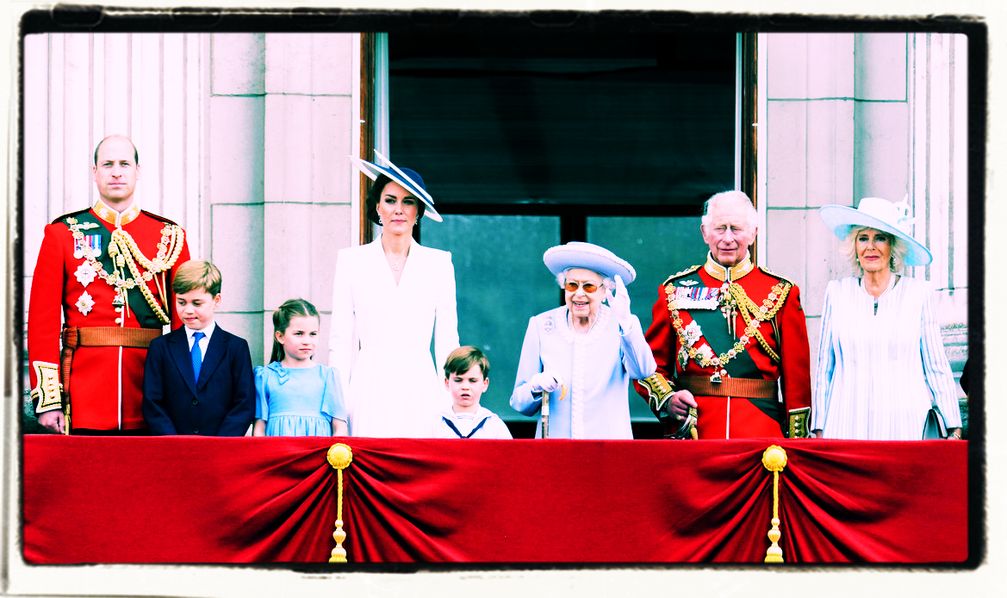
x=46, y=394
x=658, y=390
x=798, y=427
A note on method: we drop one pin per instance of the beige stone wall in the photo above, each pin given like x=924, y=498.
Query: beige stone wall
x=283, y=111
x=844, y=116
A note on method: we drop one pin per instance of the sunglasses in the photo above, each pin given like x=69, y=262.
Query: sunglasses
x=588, y=286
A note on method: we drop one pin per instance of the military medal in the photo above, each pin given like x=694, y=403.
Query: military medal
x=85, y=274
x=126, y=255
x=732, y=300
x=683, y=357
x=697, y=297
x=94, y=243
x=84, y=303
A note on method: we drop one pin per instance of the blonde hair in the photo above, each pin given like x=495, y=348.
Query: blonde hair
x=196, y=274
x=898, y=246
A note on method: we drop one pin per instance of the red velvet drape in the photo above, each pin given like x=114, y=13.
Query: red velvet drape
x=245, y=500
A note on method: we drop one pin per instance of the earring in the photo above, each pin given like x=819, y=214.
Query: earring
x=380, y=221
x=891, y=263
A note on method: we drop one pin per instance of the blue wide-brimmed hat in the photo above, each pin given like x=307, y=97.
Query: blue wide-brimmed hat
x=577, y=254
x=880, y=214
x=409, y=179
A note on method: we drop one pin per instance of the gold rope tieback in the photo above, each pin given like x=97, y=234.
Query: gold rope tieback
x=775, y=460
x=339, y=457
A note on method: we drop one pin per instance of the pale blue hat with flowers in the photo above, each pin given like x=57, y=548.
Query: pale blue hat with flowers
x=880, y=214
x=577, y=254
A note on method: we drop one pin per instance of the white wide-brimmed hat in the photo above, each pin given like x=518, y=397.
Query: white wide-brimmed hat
x=880, y=214
x=410, y=180
x=577, y=254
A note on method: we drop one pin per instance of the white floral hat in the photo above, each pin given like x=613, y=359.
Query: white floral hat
x=577, y=254
x=880, y=214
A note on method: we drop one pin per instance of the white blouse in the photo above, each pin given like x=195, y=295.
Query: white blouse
x=877, y=373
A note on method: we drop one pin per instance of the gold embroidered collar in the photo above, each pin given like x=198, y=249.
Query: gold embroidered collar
x=113, y=217
x=733, y=273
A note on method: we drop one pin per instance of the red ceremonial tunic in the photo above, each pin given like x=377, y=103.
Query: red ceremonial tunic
x=105, y=382
x=696, y=293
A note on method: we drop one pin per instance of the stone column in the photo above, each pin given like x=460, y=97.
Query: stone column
x=235, y=180
x=308, y=133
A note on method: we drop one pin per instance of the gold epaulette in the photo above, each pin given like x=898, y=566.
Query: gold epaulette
x=685, y=272
x=47, y=393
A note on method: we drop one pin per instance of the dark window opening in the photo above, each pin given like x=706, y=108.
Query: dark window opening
x=528, y=139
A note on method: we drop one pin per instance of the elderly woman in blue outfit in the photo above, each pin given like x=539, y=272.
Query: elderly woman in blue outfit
x=577, y=360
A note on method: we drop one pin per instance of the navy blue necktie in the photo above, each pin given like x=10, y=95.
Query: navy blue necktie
x=196, y=354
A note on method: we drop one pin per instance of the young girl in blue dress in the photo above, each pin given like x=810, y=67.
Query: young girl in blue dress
x=295, y=395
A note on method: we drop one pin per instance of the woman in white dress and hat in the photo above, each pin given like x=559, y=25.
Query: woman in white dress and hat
x=881, y=361
x=390, y=298
x=578, y=359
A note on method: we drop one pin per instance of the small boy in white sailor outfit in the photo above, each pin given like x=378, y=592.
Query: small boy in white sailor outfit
x=466, y=377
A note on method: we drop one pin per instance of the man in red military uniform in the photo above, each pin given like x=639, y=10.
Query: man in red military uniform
x=106, y=273
x=729, y=339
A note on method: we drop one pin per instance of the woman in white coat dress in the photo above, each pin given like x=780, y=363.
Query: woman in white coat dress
x=389, y=297
x=881, y=360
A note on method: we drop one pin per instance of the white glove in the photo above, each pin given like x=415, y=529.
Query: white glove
x=618, y=302
x=545, y=382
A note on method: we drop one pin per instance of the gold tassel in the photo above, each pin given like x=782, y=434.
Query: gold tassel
x=339, y=457
x=775, y=460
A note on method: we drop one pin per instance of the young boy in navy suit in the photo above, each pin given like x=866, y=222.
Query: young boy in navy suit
x=198, y=378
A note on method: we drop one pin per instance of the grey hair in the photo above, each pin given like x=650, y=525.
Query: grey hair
x=715, y=199
x=606, y=282
x=848, y=248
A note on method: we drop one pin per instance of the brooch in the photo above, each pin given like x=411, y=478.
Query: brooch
x=84, y=303
x=691, y=334
x=85, y=274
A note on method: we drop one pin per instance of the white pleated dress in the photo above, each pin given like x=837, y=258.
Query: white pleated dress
x=381, y=336
x=877, y=373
